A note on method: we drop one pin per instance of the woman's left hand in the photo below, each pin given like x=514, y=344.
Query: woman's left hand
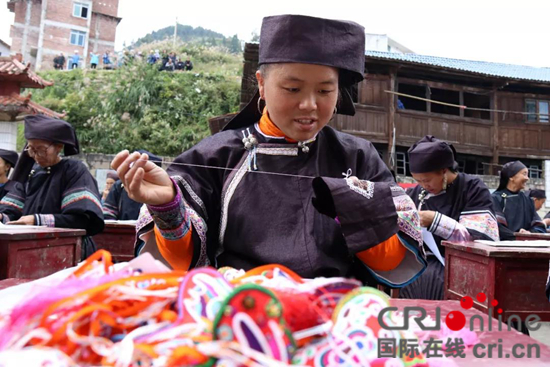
x=426, y=218
x=26, y=220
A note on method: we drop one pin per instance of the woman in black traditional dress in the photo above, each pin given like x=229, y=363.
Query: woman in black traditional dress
x=515, y=211
x=8, y=160
x=269, y=189
x=452, y=206
x=55, y=191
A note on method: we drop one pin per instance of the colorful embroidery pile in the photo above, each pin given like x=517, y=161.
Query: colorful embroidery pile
x=134, y=316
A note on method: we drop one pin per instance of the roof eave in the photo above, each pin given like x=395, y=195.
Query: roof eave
x=458, y=71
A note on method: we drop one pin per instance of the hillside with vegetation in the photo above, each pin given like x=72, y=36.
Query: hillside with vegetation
x=190, y=35
x=139, y=107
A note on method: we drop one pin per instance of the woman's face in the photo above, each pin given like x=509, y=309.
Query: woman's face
x=44, y=152
x=300, y=98
x=109, y=183
x=4, y=167
x=431, y=181
x=520, y=179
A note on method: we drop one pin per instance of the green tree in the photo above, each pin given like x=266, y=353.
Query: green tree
x=138, y=107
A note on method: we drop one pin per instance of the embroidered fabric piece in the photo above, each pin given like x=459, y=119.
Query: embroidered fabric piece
x=193, y=195
x=144, y=218
x=502, y=219
x=362, y=187
x=47, y=220
x=226, y=198
x=78, y=194
x=291, y=152
x=13, y=201
x=171, y=219
x=482, y=221
x=442, y=226
x=200, y=227
x=407, y=215
x=110, y=210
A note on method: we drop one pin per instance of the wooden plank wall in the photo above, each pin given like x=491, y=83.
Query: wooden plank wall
x=517, y=137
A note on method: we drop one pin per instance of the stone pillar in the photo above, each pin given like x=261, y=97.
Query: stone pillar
x=41, y=34
x=28, y=13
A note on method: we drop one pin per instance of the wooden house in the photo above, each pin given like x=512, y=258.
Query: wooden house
x=492, y=113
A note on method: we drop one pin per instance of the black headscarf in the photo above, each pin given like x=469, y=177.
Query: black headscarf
x=509, y=170
x=430, y=154
x=309, y=40
x=54, y=130
x=45, y=128
x=112, y=175
x=537, y=194
x=9, y=156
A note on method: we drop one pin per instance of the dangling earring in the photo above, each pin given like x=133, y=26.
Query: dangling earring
x=260, y=107
x=444, y=182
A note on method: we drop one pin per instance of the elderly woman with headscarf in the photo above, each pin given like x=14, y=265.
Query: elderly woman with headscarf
x=453, y=206
x=55, y=191
x=110, y=180
x=8, y=160
x=515, y=211
x=269, y=188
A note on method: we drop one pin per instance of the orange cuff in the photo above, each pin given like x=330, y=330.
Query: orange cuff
x=178, y=253
x=384, y=256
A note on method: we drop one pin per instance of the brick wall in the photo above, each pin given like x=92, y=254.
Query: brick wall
x=107, y=28
x=56, y=38
x=108, y=7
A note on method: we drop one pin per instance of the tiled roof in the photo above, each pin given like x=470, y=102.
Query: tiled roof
x=493, y=69
x=10, y=66
x=23, y=105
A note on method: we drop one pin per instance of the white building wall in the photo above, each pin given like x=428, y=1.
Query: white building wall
x=4, y=51
x=8, y=135
x=376, y=42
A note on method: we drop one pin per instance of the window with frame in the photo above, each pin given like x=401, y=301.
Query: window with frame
x=480, y=168
x=407, y=103
x=447, y=96
x=77, y=38
x=401, y=163
x=80, y=10
x=538, y=110
x=461, y=165
x=535, y=171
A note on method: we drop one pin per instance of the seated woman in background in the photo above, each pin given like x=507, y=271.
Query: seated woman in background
x=8, y=160
x=452, y=206
x=515, y=211
x=112, y=177
x=55, y=192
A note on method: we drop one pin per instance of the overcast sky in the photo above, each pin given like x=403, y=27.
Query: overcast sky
x=514, y=32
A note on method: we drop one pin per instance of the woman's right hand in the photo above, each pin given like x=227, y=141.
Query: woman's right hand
x=144, y=181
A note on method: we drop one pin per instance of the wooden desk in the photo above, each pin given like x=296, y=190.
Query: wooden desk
x=32, y=253
x=6, y=283
x=117, y=238
x=509, y=338
x=532, y=236
x=515, y=276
